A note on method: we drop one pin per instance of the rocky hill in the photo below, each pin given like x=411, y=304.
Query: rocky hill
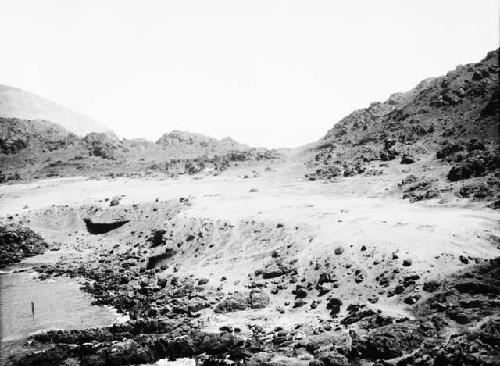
x=17, y=103
x=188, y=144
x=39, y=135
x=37, y=149
x=452, y=121
x=462, y=104
x=179, y=138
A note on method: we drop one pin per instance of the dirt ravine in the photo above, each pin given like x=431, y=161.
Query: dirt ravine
x=260, y=266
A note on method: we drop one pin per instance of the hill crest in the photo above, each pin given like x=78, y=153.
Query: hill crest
x=18, y=103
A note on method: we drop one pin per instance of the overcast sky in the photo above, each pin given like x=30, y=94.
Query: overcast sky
x=267, y=73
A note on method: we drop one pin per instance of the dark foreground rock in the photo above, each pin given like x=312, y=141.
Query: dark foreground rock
x=135, y=343
x=17, y=243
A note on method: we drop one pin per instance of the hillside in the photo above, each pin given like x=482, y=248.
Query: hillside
x=38, y=149
x=449, y=123
x=188, y=144
x=16, y=135
x=180, y=138
x=17, y=103
x=462, y=104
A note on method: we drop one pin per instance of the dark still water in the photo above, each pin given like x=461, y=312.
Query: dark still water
x=59, y=304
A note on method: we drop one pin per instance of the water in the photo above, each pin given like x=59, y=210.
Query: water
x=59, y=304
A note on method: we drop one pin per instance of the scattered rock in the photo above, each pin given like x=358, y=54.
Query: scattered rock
x=407, y=159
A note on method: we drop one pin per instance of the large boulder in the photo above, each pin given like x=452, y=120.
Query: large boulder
x=459, y=173
x=17, y=243
x=407, y=159
x=449, y=149
x=334, y=306
x=387, y=155
x=101, y=145
x=274, y=270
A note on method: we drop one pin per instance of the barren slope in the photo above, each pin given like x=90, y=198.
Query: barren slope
x=448, y=123
x=289, y=244
x=17, y=103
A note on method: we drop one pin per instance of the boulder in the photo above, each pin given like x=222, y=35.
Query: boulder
x=407, y=159
x=334, y=306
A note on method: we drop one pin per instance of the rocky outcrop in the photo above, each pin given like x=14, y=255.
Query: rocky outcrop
x=418, y=188
x=453, y=118
x=133, y=344
x=38, y=135
x=243, y=301
x=17, y=243
x=34, y=149
x=101, y=145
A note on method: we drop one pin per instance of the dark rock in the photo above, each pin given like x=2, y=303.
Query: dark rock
x=431, y=286
x=476, y=167
x=407, y=159
x=449, y=149
x=334, y=305
x=407, y=262
x=114, y=202
x=299, y=292
x=202, y=281
x=410, y=300
x=393, y=340
x=275, y=270
x=477, y=287
x=19, y=242
x=459, y=316
x=356, y=314
x=387, y=155
x=463, y=259
x=490, y=332
x=332, y=358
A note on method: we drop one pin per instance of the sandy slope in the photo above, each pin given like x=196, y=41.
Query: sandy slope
x=335, y=215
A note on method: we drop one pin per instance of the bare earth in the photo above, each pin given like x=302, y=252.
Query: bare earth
x=306, y=221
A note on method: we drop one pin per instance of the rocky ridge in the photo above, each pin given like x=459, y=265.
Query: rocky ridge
x=449, y=122
x=18, y=103
x=31, y=149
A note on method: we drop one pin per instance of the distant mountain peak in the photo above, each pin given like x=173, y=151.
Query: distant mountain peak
x=18, y=103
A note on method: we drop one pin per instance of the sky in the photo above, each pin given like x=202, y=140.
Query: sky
x=265, y=72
